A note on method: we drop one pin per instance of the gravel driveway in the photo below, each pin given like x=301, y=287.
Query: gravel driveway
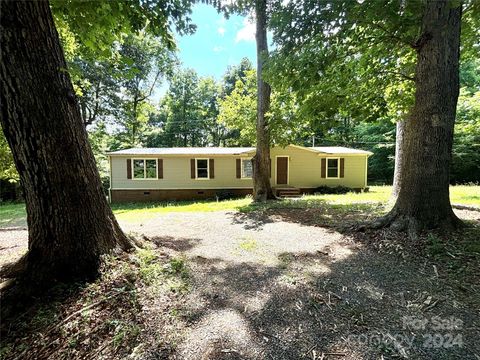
x=275, y=285
x=268, y=287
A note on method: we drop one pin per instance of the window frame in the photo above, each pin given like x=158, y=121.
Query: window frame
x=196, y=169
x=338, y=168
x=241, y=168
x=144, y=169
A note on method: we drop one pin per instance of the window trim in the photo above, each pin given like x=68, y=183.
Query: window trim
x=144, y=169
x=196, y=169
x=338, y=168
x=241, y=168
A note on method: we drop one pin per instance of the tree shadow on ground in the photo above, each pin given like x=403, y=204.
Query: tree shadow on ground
x=308, y=212
x=103, y=318
x=252, y=220
x=341, y=302
x=356, y=306
x=172, y=243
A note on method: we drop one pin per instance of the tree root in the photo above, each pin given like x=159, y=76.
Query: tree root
x=14, y=269
x=19, y=277
x=399, y=222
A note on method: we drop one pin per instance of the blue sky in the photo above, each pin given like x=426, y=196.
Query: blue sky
x=217, y=43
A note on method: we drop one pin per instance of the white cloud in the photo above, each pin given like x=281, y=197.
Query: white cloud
x=227, y=2
x=247, y=32
x=221, y=26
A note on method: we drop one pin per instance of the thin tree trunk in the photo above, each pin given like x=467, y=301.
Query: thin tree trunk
x=69, y=220
x=423, y=201
x=397, y=174
x=262, y=189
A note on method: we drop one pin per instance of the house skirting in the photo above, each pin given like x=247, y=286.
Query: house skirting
x=135, y=195
x=175, y=194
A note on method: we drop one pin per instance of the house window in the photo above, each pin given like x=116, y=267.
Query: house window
x=202, y=170
x=247, y=169
x=144, y=168
x=333, y=168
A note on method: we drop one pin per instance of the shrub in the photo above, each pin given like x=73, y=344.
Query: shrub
x=225, y=195
x=332, y=190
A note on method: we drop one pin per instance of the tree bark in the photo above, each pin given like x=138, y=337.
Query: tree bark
x=69, y=220
x=262, y=190
x=423, y=201
x=397, y=174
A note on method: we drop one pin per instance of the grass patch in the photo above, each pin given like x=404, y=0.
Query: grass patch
x=345, y=203
x=172, y=275
x=465, y=195
x=15, y=215
x=12, y=214
x=102, y=319
x=135, y=212
x=248, y=244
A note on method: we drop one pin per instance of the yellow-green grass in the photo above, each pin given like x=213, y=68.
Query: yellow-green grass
x=465, y=195
x=143, y=211
x=459, y=194
x=14, y=214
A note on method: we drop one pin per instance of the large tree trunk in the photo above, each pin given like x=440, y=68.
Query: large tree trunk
x=423, y=201
x=69, y=220
x=262, y=190
x=397, y=174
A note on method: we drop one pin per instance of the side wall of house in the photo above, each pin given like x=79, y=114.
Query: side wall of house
x=304, y=172
x=176, y=174
x=305, y=168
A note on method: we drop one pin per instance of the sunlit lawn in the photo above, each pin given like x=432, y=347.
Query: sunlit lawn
x=141, y=211
x=14, y=214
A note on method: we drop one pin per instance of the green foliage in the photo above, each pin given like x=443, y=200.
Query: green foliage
x=332, y=190
x=238, y=111
x=235, y=73
x=96, y=83
x=379, y=138
x=117, y=52
x=351, y=65
x=100, y=142
x=341, y=72
x=466, y=149
x=123, y=331
x=181, y=110
x=342, y=58
x=7, y=167
x=434, y=245
x=188, y=113
x=83, y=22
x=151, y=62
x=173, y=275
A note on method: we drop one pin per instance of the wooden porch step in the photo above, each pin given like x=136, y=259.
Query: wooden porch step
x=289, y=195
x=288, y=192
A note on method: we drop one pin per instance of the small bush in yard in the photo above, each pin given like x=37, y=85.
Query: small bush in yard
x=332, y=190
x=435, y=246
x=225, y=195
x=176, y=267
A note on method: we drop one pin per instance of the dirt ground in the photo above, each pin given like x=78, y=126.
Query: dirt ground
x=285, y=284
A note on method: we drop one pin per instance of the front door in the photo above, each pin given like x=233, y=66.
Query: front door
x=282, y=170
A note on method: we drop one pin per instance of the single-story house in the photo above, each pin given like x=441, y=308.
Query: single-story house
x=153, y=174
